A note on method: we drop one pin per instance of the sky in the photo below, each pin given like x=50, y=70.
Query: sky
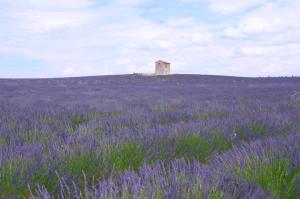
x=63, y=38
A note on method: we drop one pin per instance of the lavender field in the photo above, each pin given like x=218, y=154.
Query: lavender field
x=128, y=136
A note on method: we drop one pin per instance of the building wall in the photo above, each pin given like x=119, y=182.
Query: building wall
x=162, y=68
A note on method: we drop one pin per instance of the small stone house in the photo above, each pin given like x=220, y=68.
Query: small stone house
x=162, y=67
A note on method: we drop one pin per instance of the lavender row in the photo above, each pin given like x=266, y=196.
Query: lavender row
x=224, y=177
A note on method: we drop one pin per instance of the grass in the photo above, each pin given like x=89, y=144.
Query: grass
x=194, y=146
x=216, y=195
x=273, y=175
x=77, y=120
x=11, y=178
x=218, y=142
x=2, y=141
x=190, y=146
x=44, y=176
x=35, y=136
x=241, y=135
x=158, y=194
x=86, y=167
x=161, y=107
x=126, y=156
x=202, y=116
x=15, y=175
x=165, y=121
x=258, y=129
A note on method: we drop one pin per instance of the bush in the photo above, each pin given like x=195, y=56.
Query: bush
x=273, y=175
x=126, y=156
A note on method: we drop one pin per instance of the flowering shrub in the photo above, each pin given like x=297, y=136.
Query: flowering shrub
x=178, y=136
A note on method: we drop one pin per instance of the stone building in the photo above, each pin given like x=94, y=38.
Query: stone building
x=162, y=67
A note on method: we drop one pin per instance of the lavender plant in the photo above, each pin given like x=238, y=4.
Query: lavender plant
x=178, y=136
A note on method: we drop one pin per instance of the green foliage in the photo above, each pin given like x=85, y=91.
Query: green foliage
x=11, y=178
x=206, y=116
x=159, y=194
x=219, y=115
x=192, y=146
x=95, y=165
x=126, y=156
x=258, y=128
x=165, y=121
x=35, y=136
x=162, y=107
x=266, y=110
x=156, y=194
x=214, y=193
x=283, y=131
x=273, y=175
x=185, y=118
x=91, y=164
x=2, y=141
x=77, y=120
x=219, y=143
x=160, y=150
x=43, y=176
x=197, y=192
x=70, y=130
x=241, y=135
x=14, y=174
x=95, y=115
x=259, y=131
x=202, y=116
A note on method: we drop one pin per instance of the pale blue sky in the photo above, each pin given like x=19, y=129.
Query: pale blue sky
x=56, y=38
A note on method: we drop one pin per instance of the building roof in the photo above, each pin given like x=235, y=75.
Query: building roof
x=163, y=61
